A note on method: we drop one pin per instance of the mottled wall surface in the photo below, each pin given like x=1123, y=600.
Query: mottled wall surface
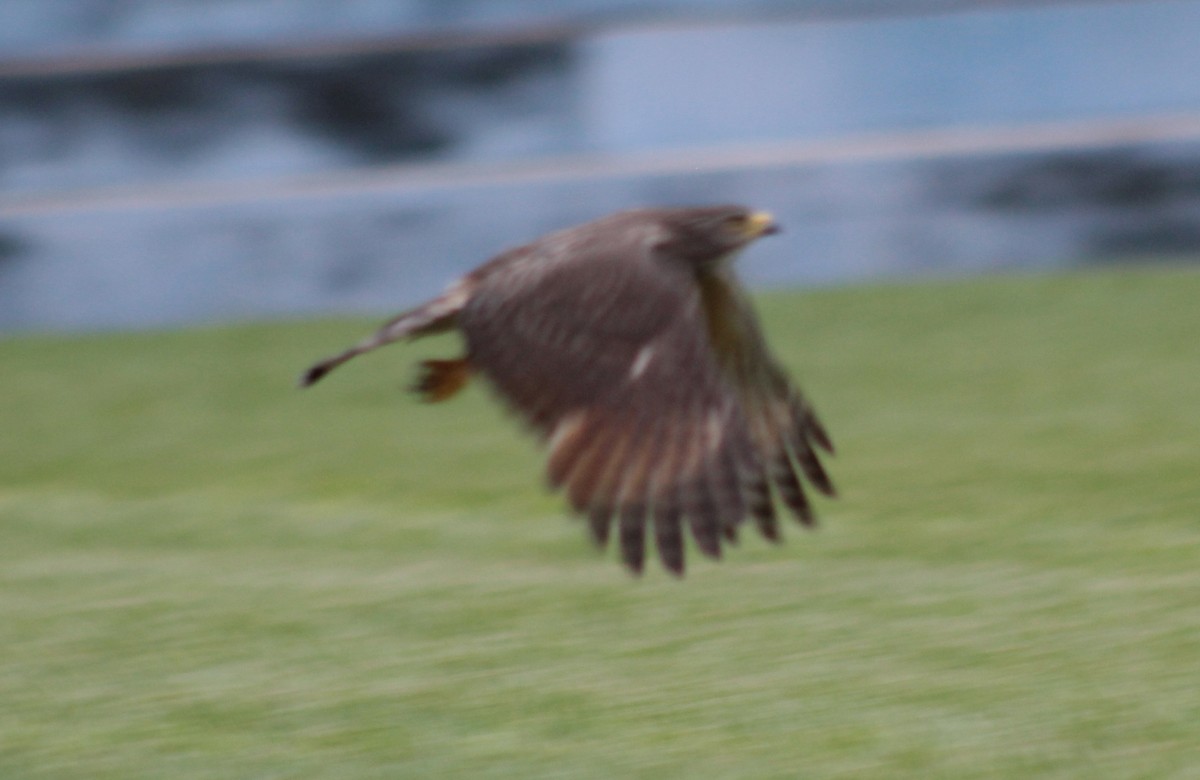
x=629, y=90
x=212, y=121
x=381, y=247
x=284, y=181
x=35, y=28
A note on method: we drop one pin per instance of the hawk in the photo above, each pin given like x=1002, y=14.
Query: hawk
x=627, y=345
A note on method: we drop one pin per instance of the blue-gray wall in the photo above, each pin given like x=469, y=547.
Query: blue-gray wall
x=278, y=179
x=32, y=29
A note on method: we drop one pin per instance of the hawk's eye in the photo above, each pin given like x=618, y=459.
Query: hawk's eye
x=749, y=225
x=737, y=223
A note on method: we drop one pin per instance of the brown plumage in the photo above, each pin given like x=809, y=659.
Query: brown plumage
x=630, y=349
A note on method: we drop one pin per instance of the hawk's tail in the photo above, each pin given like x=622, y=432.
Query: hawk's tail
x=432, y=317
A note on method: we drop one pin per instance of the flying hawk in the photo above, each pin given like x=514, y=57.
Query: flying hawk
x=628, y=346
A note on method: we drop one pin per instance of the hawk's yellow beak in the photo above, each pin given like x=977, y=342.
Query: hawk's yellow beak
x=760, y=223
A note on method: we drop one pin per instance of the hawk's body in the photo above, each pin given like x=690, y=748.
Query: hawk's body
x=627, y=344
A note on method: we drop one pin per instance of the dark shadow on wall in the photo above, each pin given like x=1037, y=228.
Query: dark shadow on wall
x=1134, y=206
x=13, y=249
x=1107, y=179
x=216, y=120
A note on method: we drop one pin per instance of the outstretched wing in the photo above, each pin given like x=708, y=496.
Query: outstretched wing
x=606, y=352
x=784, y=427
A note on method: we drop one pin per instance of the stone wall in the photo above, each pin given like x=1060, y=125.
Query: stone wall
x=287, y=180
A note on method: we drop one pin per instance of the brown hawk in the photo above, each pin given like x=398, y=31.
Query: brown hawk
x=629, y=347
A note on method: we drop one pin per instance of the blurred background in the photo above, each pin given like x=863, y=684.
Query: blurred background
x=205, y=574
x=180, y=161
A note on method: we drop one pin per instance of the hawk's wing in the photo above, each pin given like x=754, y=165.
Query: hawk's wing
x=784, y=427
x=606, y=352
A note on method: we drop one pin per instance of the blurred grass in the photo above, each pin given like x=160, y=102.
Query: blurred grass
x=206, y=574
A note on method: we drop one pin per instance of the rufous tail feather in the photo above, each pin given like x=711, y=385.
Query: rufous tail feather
x=442, y=379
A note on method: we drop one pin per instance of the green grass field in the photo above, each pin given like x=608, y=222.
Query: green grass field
x=205, y=573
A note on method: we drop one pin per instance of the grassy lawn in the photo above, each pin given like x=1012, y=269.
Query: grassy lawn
x=205, y=573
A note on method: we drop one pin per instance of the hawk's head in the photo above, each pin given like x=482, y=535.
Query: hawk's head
x=705, y=236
